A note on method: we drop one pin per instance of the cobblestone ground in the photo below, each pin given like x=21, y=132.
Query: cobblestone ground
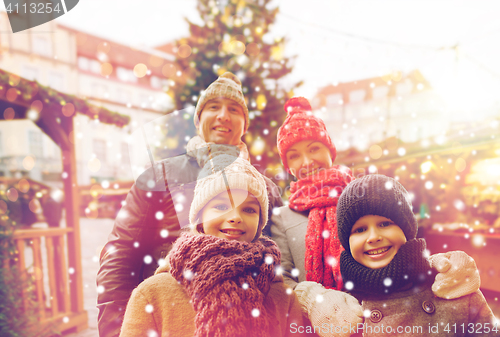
x=94, y=234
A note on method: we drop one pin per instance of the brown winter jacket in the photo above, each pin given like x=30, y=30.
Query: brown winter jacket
x=161, y=304
x=138, y=239
x=417, y=312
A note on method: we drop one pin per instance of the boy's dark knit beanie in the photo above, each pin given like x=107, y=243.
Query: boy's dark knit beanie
x=374, y=194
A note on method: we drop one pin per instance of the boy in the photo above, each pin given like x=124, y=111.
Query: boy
x=385, y=268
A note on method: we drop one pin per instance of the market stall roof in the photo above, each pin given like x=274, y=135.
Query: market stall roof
x=53, y=112
x=46, y=107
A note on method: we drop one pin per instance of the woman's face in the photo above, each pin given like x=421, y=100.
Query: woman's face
x=232, y=216
x=307, y=157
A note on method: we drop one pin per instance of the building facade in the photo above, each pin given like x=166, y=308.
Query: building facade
x=121, y=78
x=364, y=112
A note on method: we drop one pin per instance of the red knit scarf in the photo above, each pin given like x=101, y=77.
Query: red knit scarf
x=319, y=194
x=227, y=281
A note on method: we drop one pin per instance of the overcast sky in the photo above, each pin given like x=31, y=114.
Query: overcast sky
x=341, y=40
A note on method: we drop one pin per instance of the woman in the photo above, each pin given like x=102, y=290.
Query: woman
x=306, y=229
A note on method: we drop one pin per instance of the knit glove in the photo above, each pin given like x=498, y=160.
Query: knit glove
x=458, y=275
x=328, y=306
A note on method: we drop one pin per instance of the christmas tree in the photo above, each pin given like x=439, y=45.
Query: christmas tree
x=234, y=37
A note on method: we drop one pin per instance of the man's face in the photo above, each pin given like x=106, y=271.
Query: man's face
x=222, y=121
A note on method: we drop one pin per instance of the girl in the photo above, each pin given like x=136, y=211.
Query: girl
x=306, y=229
x=219, y=279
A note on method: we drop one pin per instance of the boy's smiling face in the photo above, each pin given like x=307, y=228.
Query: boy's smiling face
x=375, y=240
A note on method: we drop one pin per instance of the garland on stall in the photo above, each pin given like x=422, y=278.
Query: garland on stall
x=28, y=92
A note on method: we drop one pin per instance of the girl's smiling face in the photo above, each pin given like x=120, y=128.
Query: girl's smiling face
x=232, y=216
x=375, y=240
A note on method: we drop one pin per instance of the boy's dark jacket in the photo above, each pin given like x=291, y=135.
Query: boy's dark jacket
x=412, y=309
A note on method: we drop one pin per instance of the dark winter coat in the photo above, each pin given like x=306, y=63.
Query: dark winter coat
x=417, y=312
x=144, y=231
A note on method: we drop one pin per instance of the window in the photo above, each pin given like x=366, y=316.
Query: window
x=334, y=100
x=123, y=96
x=380, y=92
x=56, y=81
x=356, y=96
x=404, y=88
x=143, y=101
x=95, y=67
x=30, y=73
x=99, y=90
x=83, y=63
x=35, y=143
x=125, y=75
x=99, y=147
x=41, y=45
x=156, y=82
x=125, y=154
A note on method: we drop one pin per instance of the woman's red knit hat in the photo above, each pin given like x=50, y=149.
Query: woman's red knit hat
x=300, y=124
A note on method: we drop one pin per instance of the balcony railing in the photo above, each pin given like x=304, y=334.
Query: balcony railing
x=43, y=253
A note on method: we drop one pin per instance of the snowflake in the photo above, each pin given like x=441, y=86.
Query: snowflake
x=159, y=215
x=152, y=333
x=326, y=234
x=387, y=281
x=255, y=312
x=149, y=308
x=188, y=274
x=349, y=285
x=320, y=298
x=148, y=259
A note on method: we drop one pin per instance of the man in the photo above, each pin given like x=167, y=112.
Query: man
x=158, y=203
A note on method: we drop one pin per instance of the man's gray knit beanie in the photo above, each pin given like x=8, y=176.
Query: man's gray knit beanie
x=374, y=194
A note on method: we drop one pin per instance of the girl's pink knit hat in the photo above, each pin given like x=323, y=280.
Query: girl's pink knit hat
x=300, y=124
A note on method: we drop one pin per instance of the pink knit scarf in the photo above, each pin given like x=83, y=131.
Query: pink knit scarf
x=319, y=194
x=227, y=281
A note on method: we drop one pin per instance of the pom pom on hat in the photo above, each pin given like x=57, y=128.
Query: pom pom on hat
x=297, y=105
x=300, y=124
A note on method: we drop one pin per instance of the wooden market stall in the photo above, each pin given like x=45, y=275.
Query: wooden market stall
x=455, y=183
x=53, y=113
